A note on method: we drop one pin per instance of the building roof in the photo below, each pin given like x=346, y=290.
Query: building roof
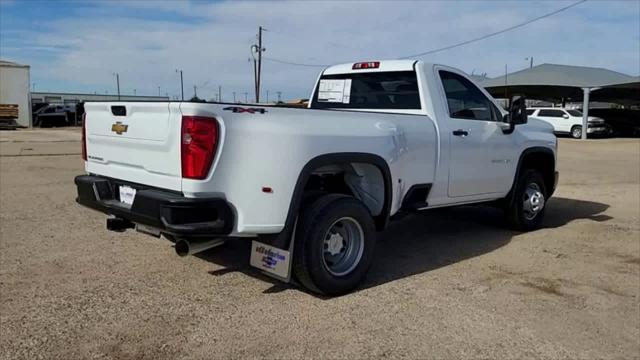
x=58, y=93
x=561, y=75
x=553, y=82
x=11, y=64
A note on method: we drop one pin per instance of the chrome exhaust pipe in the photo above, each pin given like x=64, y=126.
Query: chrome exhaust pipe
x=185, y=247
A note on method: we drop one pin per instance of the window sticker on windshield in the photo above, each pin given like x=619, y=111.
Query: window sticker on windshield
x=335, y=91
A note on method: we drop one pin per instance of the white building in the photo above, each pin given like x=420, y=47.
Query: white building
x=14, y=89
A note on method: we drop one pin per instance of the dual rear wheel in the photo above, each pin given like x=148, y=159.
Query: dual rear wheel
x=334, y=244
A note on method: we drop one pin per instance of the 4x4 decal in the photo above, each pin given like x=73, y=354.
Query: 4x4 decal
x=238, y=109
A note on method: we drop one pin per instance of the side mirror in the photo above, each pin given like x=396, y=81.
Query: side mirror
x=518, y=110
x=565, y=116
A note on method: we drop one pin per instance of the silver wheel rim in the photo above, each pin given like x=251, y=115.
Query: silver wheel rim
x=533, y=201
x=577, y=132
x=343, y=245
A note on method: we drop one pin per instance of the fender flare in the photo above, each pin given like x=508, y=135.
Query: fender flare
x=526, y=152
x=381, y=220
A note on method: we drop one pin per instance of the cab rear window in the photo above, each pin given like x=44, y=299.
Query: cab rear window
x=373, y=90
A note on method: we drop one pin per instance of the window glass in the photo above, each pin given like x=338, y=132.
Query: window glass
x=465, y=100
x=371, y=90
x=551, y=113
x=530, y=111
x=574, y=112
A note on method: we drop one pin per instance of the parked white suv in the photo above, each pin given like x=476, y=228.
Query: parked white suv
x=312, y=186
x=569, y=122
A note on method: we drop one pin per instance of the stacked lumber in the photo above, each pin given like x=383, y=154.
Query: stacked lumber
x=8, y=111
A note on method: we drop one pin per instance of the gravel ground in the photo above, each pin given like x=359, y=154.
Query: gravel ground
x=451, y=283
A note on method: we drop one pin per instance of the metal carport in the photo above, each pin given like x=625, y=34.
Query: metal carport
x=565, y=82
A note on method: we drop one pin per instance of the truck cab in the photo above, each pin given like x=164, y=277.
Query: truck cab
x=477, y=149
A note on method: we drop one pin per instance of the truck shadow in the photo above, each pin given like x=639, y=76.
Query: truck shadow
x=434, y=239
x=425, y=241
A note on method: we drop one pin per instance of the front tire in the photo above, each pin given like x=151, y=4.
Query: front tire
x=576, y=132
x=334, y=244
x=526, y=210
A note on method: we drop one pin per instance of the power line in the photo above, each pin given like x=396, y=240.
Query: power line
x=293, y=63
x=495, y=33
x=453, y=45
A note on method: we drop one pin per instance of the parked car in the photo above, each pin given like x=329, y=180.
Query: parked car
x=624, y=122
x=55, y=115
x=312, y=186
x=569, y=122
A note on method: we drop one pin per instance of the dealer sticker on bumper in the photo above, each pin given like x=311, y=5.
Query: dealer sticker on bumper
x=270, y=259
x=127, y=194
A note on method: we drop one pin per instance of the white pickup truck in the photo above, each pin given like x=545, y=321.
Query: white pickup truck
x=312, y=186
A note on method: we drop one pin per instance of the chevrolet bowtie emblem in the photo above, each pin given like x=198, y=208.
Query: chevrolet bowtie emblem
x=119, y=128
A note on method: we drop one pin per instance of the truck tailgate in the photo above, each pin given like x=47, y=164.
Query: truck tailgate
x=136, y=142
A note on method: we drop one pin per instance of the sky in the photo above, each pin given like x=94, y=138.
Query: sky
x=78, y=46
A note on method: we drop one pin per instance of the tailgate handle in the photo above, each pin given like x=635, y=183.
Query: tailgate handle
x=119, y=110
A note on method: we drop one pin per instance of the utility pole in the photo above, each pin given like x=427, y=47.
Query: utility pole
x=257, y=64
x=245, y=97
x=34, y=87
x=234, y=97
x=181, y=83
x=195, y=91
x=219, y=93
x=279, y=94
x=158, y=90
x=118, y=83
x=255, y=69
x=267, y=96
x=261, y=49
x=530, y=61
x=134, y=92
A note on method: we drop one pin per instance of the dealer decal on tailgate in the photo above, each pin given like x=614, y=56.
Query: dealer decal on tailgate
x=270, y=259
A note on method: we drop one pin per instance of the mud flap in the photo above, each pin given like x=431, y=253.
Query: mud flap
x=271, y=260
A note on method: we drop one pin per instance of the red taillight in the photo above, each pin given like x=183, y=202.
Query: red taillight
x=84, y=136
x=366, y=65
x=199, y=140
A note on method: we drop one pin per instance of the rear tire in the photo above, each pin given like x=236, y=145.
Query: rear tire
x=576, y=132
x=334, y=244
x=526, y=210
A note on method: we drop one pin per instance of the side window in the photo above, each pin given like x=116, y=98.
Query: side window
x=551, y=113
x=465, y=100
x=530, y=111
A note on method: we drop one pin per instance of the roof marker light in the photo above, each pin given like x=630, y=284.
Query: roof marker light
x=366, y=65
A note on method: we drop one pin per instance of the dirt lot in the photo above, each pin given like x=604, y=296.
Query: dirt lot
x=445, y=284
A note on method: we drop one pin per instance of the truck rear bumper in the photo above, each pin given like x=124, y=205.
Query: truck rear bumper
x=169, y=212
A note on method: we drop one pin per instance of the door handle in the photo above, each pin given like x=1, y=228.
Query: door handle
x=460, y=132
